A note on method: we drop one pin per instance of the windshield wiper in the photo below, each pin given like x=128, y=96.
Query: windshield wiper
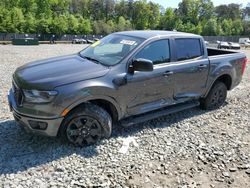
x=92, y=59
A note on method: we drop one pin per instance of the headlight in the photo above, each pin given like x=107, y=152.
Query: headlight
x=36, y=96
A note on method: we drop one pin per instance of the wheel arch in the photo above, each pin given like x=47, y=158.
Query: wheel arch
x=107, y=103
x=225, y=78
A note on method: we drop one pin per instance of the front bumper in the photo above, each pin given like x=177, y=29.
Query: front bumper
x=23, y=121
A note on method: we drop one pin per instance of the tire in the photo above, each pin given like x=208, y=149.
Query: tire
x=216, y=97
x=86, y=125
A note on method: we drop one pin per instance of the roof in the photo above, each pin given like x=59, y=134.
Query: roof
x=146, y=34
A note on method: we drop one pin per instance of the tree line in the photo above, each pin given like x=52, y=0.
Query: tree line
x=107, y=16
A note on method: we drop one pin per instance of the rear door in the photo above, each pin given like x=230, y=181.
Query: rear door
x=190, y=68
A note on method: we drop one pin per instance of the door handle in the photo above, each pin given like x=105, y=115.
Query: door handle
x=202, y=66
x=168, y=73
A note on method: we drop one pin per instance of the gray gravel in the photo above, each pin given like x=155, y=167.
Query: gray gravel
x=193, y=148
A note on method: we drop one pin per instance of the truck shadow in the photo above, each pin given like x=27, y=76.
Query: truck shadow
x=158, y=123
x=21, y=151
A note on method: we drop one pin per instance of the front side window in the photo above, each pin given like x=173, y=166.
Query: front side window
x=111, y=49
x=187, y=49
x=158, y=52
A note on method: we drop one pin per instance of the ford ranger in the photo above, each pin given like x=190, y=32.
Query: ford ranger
x=123, y=79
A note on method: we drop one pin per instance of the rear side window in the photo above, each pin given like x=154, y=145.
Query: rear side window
x=188, y=49
x=158, y=52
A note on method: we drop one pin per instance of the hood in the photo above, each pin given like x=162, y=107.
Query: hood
x=50, y=73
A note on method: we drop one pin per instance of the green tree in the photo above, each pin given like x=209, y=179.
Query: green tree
x=73, y=24
x=30, y=25
x=210, y=28
x=140, y=19
x=246, y=28
x=5, y=20
x=44, y=24
x=43, y=8
x=154, y=15
x=198, y=29
x=101, y=27
x=97, y=9
x=28, y=6
x=237, y=27
x=17, y=20
x=246, y=12
x=123, y=25
x=206, y=9
x=80, y=7
x=179, y=25
x=59, y=25
x=231, y=11
x=168, y=20
x=8, y=4
x=106, y=16
x=84, y=26
x=188, y=11
x=226, y=26
x=59, y=6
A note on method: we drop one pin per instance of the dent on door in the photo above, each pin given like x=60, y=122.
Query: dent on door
x=151, y=90
x=190, y=80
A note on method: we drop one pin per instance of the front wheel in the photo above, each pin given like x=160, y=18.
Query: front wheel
x=216, y=97
x=86, y=125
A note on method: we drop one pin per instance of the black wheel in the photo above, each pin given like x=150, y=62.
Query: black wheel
x=216, y=97
x=86, y=125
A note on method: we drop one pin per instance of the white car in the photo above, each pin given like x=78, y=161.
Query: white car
x=234, y=45
x=89, y=41
x=223, y=45
x=243, y=40
x=79, y=41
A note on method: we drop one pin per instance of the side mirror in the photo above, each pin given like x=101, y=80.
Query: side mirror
x=141, y=64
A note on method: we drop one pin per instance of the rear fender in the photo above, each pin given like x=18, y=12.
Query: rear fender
x=226, y=69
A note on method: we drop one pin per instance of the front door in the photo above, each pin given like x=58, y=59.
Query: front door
x=147, y=91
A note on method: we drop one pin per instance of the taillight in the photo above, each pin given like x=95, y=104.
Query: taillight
x=244, y=65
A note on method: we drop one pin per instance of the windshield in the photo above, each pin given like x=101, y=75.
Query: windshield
x=111, y=49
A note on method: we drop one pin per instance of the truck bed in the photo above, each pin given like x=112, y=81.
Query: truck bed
x=215, y=52
x=232, y=61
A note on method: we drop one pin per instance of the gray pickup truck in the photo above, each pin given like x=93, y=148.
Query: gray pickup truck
x=123, y=79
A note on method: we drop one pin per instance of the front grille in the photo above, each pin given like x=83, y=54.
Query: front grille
x=17, y=94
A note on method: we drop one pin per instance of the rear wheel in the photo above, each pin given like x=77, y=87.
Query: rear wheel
x=86, y=125
x=216, y=97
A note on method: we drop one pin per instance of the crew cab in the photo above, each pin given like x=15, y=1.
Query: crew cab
x=123, y=79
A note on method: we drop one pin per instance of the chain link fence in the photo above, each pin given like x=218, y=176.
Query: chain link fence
x=68, y=37
x=46, y=37
x=224, y=38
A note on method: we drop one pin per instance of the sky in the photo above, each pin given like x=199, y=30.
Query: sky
x=174, y=3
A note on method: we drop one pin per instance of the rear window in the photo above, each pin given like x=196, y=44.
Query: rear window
x=188, y=49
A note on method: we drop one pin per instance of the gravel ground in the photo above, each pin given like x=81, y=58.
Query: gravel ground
x=193, y=148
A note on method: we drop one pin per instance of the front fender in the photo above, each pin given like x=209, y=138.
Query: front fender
x=74, y=94
x=98, y=97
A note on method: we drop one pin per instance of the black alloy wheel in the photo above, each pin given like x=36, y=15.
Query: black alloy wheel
x=216, y=97
x=84, y=130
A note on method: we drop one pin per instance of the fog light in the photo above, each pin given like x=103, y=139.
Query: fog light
x=38, y=125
